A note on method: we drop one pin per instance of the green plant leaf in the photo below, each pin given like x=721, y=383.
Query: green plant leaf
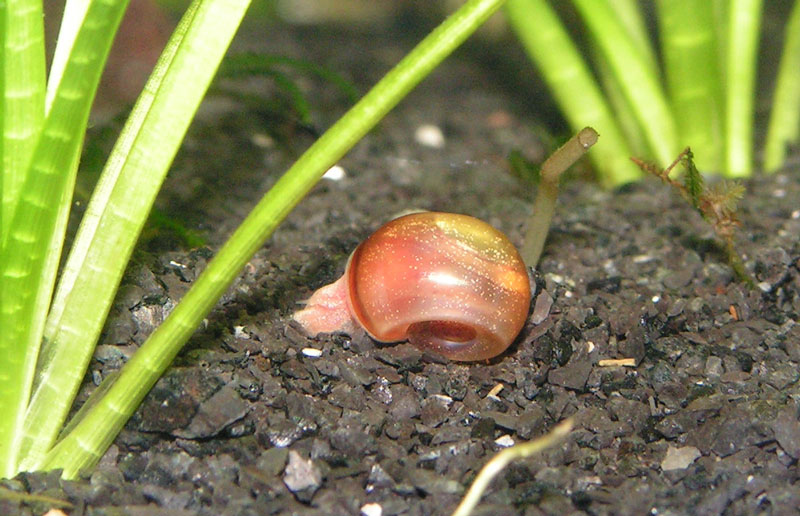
x=547, y=43
x=743, y=32
x=784, y=120
x=23, y=70
x=83, y=446
x=119, y=208
x=693, y=181
x=30, y=255
x=690, y=47
x=629, y=63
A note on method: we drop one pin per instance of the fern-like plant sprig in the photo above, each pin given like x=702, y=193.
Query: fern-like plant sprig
x=716, y=203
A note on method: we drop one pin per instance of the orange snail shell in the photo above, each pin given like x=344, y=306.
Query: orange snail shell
x=445, y=282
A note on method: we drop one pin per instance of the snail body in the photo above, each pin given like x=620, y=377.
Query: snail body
x=445, y=282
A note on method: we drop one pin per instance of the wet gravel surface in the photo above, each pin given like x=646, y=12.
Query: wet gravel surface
x=255, y=418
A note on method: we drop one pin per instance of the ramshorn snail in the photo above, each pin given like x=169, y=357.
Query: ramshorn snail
x=445, y=282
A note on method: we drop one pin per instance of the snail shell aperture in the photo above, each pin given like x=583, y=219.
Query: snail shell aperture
x=445, y=282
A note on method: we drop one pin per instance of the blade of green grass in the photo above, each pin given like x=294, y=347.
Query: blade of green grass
x=83, y=446
x=549, y=46
x=3, y=8
x=621, y=108
x=23, y=70
x=721, y=12
x=689, y=46
x=71, y=20
x=639, y=85
x=630, y=16
x=784, y=120
x=28, y=252
x=744, y=23
x=112, y=223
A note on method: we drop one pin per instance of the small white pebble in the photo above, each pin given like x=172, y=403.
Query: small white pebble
x=371, y=509
x=335, y=173
x=643, y=258
x=312, y=352
x=679, y=458
x=655, y=299
x=610, y=267
x=504, y=441
x=779, y=193
x=446, y=400
x=239, y=333
x=179, y=265
x=429, y=135
x=262, y=140
x=796, y=214
x=568, y=294
x=301, y=12
x=589, y=346
x=764, y=286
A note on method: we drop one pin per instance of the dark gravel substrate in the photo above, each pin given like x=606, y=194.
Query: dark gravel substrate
x=249, y=421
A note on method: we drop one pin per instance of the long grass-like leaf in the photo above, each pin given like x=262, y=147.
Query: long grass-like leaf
x=547, y=43
x=111, y=225
x=3, y=9
x=84, y=445
x=27, y=259
x=630, y=16
x=784, y=120
x=642, y=89
x=22, y=66
x=744, y=21
x=71, y=21
x=689, y=46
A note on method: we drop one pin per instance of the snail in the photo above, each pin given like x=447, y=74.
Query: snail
x=445, y=282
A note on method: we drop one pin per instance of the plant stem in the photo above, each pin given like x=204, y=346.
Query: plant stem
x=83, y=446
x=545, y=203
